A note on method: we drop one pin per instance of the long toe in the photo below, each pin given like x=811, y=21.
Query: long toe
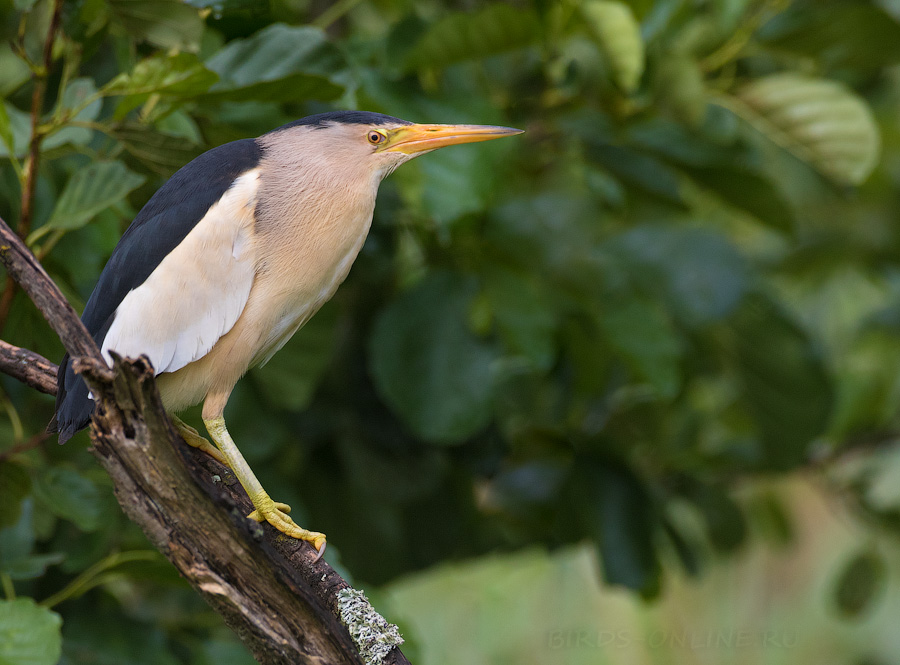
x=258, y=517
x=276, y=515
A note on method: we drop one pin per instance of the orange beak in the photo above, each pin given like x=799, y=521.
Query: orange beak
x=413, y=139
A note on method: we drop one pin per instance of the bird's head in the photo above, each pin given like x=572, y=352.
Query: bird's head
x=391, y=144
x=377, y=144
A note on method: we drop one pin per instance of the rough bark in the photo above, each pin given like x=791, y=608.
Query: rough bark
x=28, y=367
x=285, y=606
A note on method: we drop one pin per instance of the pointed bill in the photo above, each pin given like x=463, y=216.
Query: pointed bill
x=413, y=139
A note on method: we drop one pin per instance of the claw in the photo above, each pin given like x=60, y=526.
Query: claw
x=276, y=514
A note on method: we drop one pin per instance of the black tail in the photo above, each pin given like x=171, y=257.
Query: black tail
x=73, y=404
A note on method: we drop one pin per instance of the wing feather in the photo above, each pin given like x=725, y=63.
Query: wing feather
x=159, y=228
x=197, y=292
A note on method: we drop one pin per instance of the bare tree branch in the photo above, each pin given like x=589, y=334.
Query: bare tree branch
x=30, y=275
x=285, y=606
x=28, y=367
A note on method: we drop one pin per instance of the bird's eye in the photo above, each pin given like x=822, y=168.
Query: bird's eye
x=375, y=137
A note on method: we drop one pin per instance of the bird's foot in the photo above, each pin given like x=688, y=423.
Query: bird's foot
x=193, y=438
x=276, y=514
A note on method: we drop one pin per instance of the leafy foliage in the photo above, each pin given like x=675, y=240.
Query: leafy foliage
x=682, y=279
x=29, y=635
x=821, y=120
x=429, y=366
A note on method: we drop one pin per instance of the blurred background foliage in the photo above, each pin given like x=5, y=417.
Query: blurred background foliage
x=634, y=373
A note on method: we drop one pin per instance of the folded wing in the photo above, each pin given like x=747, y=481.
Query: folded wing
x=179, y=277
x=197, y=292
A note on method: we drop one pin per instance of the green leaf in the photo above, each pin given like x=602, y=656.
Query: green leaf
x=14, y=486
x=89, y=192
x=85, y=20
x=459, y=182
x=166, y=74
x=76, y=94
x=675, y=142
x=461, y=36
x=771, y=519
x=591, y=362
x=159, y=153
x=859, y=584
x=279, y=63
x=749, y=191
x=17, y=132
x=524, y=313
x=840, y=35
x=785, y=384
x=725, y=522
x=29, y=634
x=70, y=495
x=226, y=651
x=169, y=24
x=822, y=122
x=680, y=88
x=33, y=566
x=17, y=544
x=289, y=380
x=17, y=540
x=701, y=275
x=402, y=38
x=618, y=513
x=640, y=170
x=427, y=365
x=639, y=332
x=181, y=125
x=881, y=473
x=686, y=552
x=6, y=132
x=13, y=71
x=106, y=636
x=518, y=232
x=617, y=32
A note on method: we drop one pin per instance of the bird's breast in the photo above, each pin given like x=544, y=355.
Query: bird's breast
x=303, y=273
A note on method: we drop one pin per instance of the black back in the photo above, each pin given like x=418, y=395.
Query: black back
x=158, y=228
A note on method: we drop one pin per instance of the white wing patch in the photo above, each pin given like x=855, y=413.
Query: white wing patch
x=196, y=294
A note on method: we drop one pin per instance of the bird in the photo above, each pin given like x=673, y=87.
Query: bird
x=233, y=255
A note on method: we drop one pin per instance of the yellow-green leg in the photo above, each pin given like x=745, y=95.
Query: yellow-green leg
x=267, y=510
x=192, y=438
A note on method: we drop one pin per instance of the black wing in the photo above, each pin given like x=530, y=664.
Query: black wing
x=159, y=227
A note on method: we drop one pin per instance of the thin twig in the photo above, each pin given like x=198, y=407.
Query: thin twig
x=25, y=446
x=37, y=136
x=30, y=173
x=6, y=299
x=13, y=415
x=334, y=13
x=742, y=36
x=94, y=575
